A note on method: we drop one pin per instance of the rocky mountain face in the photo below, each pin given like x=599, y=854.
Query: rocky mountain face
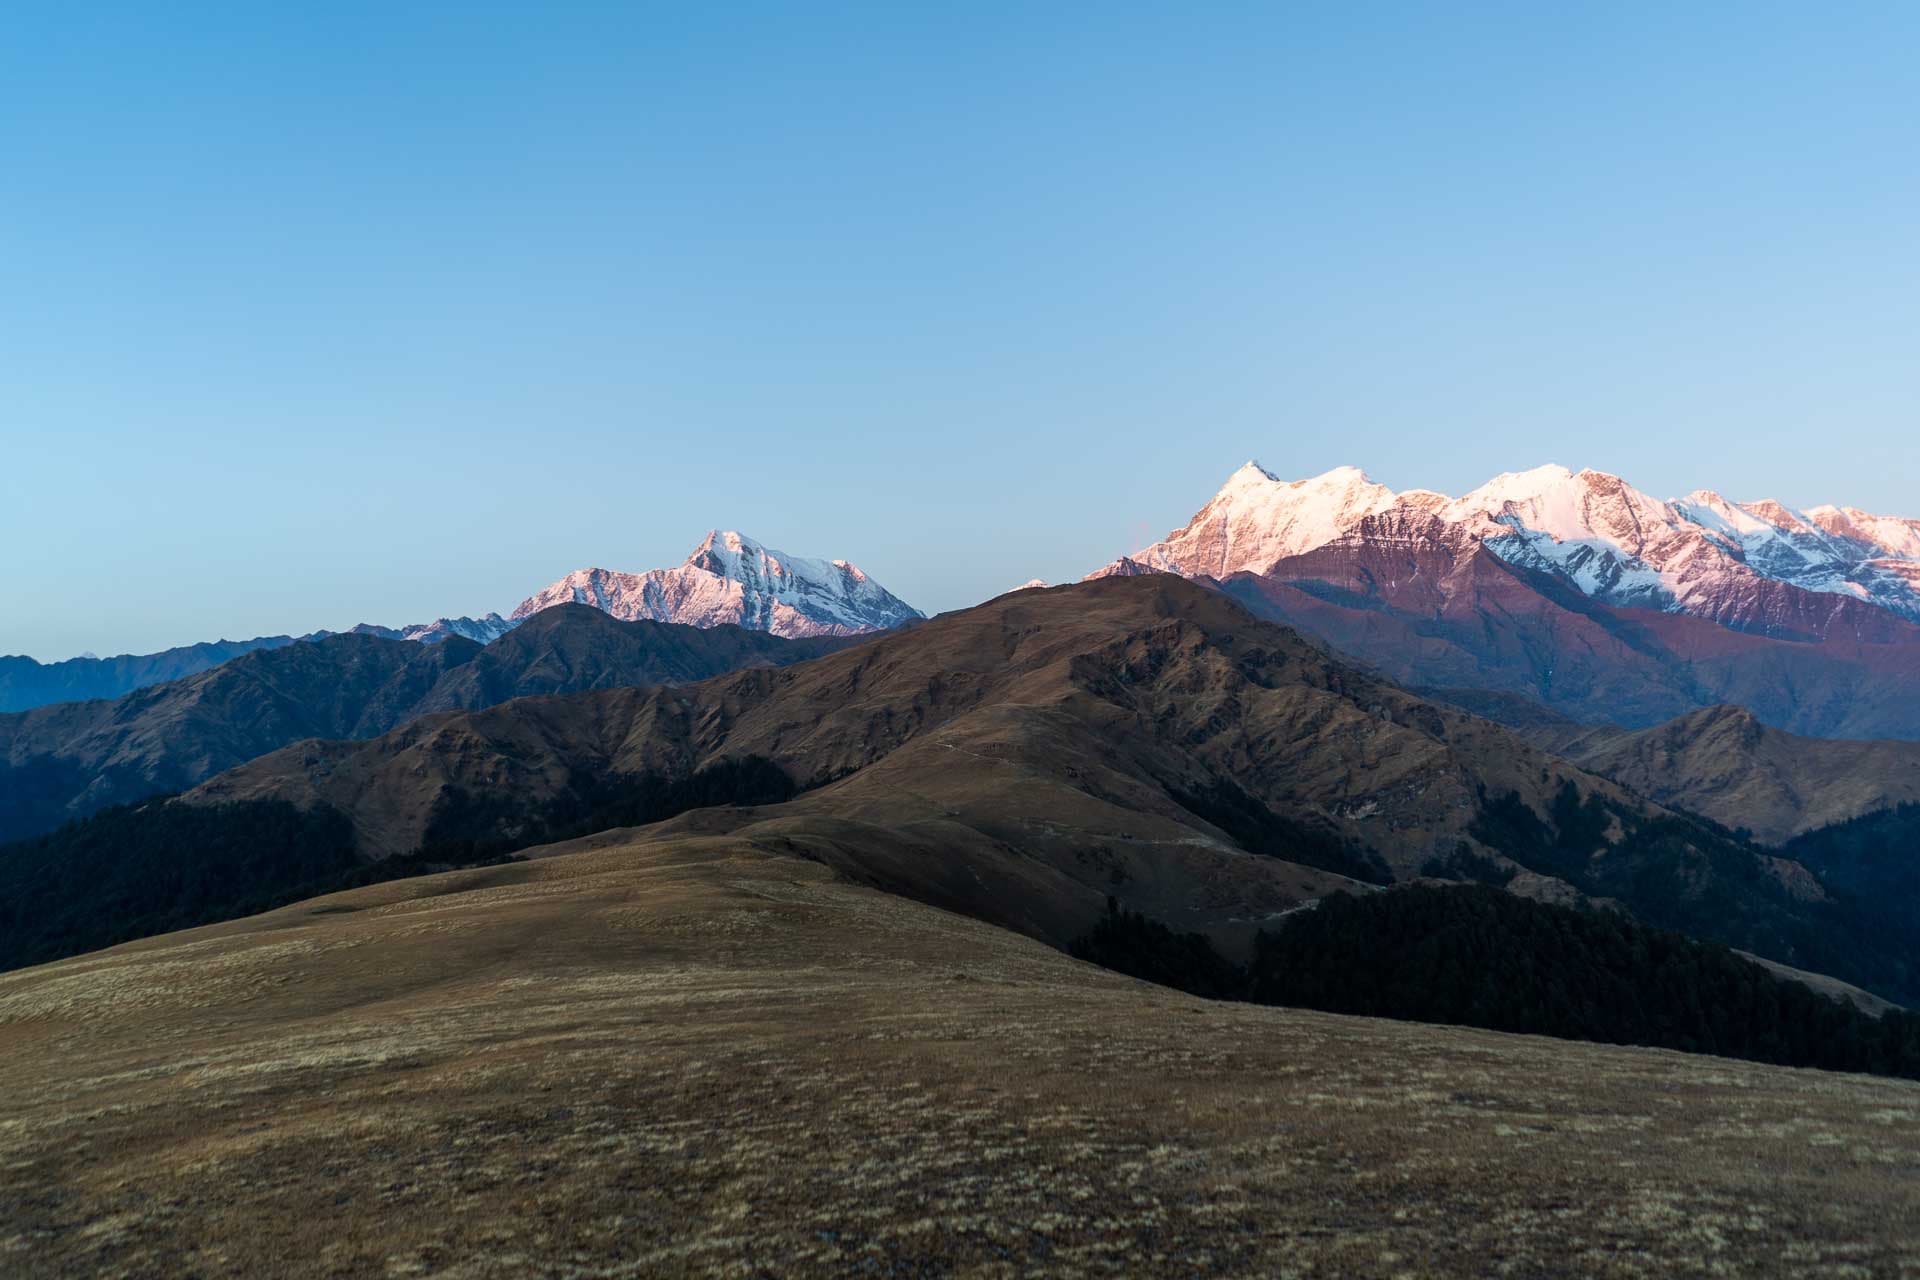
x=731, y=579
x=1578, y=591
x=65, y=761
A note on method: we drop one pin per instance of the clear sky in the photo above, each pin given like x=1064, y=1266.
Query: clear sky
x=316, y=314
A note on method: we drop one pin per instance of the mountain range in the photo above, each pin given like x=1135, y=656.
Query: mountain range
x=26, y=683
x=1744, y=565
x=1574, y=590
x=729, y=580
x=1138, y=739
x=67, y=760
x=1530, y=685
x=677, y=947
x=1580, y=592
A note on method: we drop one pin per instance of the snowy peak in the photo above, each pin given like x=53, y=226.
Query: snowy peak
x=1589, y=528
x=1123, y=567
x=1517, y=486
x=482, y=630
x=1567, y=505
x=725, y=551
x=1891, y=536
x=730, y=578
x=1829, y=549
x=1252, y=477
x=1031, y=584
x=1257, y=519
x=1701, y=554
x=1719, y=515
x=1250, y=474
x=1779, y=516
x=731, y=554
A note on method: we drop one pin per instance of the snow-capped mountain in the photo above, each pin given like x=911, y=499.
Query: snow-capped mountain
x=1258, y=518
x=482, y=630
x=730, y=578
x=1744, y=565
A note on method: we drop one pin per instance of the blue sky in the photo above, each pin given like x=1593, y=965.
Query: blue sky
x=318, y=314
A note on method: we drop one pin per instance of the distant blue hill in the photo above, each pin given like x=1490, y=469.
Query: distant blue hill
x=25, y=683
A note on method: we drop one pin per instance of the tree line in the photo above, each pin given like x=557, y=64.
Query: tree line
x=154, y=867
x=1472, y=955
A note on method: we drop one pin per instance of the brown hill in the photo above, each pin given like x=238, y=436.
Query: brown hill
x=65, y=761
x=1022, y=760
x=1725, y=764
x=700, y=1059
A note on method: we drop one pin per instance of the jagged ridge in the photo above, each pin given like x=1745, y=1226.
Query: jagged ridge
x=1702, y=555
x=730, y=578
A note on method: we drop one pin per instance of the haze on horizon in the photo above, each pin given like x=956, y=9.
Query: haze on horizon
x=358, y=314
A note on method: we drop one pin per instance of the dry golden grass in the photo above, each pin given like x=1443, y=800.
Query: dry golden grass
x=691, y=1058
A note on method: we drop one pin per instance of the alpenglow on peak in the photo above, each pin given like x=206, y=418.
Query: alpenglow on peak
x=731, y=578
x=1700, y=554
